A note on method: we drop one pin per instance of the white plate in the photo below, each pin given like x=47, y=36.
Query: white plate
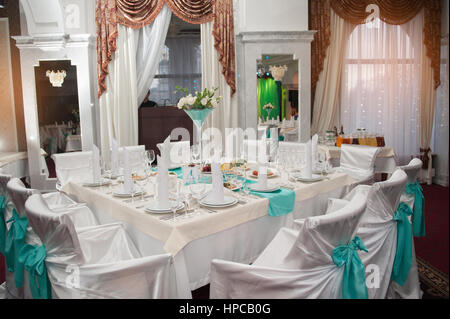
x=153, y=208
x=275, y=174
x=228, y=201
x=235, y=188
x=103, y=182
x=314, y=178
x=268, y=189
x=126, y=194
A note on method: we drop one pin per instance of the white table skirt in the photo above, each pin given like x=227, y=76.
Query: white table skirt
x=73, y=143
x=242, y=242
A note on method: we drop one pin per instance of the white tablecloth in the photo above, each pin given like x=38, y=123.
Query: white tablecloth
x=238, y=233
x=384, y=163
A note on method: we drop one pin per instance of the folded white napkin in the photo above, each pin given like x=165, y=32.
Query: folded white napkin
x=114, y=157
x=307, y=172
x=164, y=149
x=262, y=148
x=163, y=184
x=262, y=176
x=96, y=170
x=314, y=140
x=128, y=185
x=216, y=196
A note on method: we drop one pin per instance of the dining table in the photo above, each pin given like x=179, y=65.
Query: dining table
x=197, y=235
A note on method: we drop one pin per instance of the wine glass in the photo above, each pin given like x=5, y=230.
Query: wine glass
x=142, y=179
x=197, y=191
x=195, y=153
x=185, y=197
x=174, y=203
x=150, y=157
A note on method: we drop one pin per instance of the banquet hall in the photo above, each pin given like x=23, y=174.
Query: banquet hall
x=224, y=149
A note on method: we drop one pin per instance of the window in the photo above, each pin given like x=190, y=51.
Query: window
x=380, y=88
x=180, y=63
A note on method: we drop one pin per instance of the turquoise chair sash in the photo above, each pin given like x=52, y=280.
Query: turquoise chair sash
x=418, y=218
x=33, y=259
x=2, y=224
x=354, y=281
x=403, y=254
x=15, y=239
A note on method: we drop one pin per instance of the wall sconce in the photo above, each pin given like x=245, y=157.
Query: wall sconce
x=56, y=78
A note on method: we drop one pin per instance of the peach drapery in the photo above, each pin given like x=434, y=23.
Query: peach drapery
x=139, y=13
x=391, y=11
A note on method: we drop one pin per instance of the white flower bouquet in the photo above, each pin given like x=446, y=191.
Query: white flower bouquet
x=201, y=100
x=268, y=106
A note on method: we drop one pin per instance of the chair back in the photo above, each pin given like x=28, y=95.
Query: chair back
x=251, y=149
x=4, y=179
x=358, y=160
x=412, y=169
x=19, y=194
x=73, y=167
x=319, y=235
x=56, y=231
x=136, y=156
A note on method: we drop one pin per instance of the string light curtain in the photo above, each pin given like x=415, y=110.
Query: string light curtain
x=139, y=13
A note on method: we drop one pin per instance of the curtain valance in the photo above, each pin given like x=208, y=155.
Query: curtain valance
x=139, y=13
x=390, y=11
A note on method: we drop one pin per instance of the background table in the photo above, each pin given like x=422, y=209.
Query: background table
x=384, y=163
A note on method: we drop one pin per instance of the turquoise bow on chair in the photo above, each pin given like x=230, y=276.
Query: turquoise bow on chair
x=33, y=258
x=15, y=239
x=403, y=254
x=418, y=219
x=354, y=281
x=2, y=224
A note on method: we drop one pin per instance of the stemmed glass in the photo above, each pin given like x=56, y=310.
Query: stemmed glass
x=197, y=191
x=142, y=179
x=185, y=197
x=149, y=157
x=195, y=153
x=174, y=203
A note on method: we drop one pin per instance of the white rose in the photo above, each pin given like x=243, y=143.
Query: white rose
x=214, y=103
x=211, y=91
x=191, y=100
x=181, y=102
x=204, y=101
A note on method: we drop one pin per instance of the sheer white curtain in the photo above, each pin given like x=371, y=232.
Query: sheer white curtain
x=130, y=75
x=180, y=65
x=381, y=83
x=225, y=115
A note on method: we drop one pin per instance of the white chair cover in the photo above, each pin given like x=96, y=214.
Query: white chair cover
x=99, y=261
x=250, y=149
x=378, y=231
x=136, y=156
x=291, y=147
x=358, y=161
x=296, y=264
x=11, y=291
x=412, y=170
x=72, y=167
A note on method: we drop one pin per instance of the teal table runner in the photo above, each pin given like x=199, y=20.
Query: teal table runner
x=281, y=202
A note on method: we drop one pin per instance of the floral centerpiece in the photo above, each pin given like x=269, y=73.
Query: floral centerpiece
x=202, y=100
x=268, y=107
x=198, y=106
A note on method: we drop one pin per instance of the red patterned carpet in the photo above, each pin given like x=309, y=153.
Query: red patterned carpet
x=434, y=247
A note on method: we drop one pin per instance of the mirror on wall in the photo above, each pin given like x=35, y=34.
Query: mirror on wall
x=277, y=94
x=58, y=107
